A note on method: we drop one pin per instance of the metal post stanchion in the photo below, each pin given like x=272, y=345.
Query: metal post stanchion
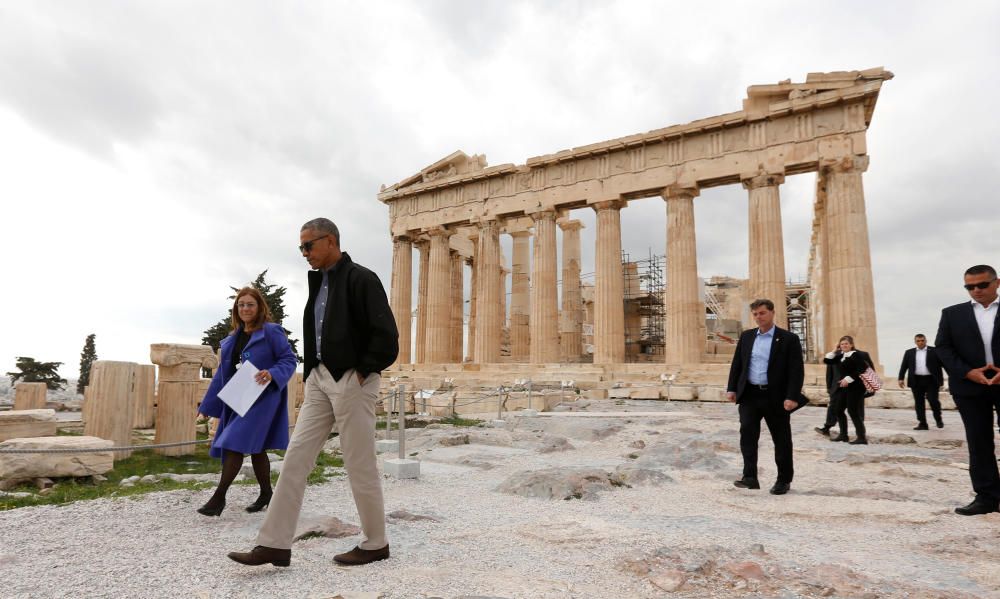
x=529, y=394
x=401, y=393
x=401, y=467
x=500, y=403
x=387, y=444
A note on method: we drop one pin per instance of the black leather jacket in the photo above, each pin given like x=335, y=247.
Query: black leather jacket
x=359, y=330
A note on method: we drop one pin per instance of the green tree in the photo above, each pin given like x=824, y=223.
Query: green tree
x=33, y=371
x=87, y=358
x=275, y=298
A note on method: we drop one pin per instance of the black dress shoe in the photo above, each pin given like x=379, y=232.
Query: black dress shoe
x=823, y=430
x=262, y=502
x=359, y=556
x=940, y=423
x=780, y=488
x=840, y=438
x=921, y=427
x=747, y=483
x=977, y=508
x=209, y=510
x=261, y=555
x=859, y=441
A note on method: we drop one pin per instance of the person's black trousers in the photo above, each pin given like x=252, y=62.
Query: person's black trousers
x=831, y=412
x=924, y=386
x=850, y=400
x=977, y=416
x=757, y=405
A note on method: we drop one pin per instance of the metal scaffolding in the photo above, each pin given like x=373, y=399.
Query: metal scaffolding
x=645, y=312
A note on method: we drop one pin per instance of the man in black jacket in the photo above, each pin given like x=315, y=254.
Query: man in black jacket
x=968, y=344
x=349, y=337
x=925, y=379
x=765, y=379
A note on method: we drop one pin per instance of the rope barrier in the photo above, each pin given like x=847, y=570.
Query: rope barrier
x=384, y=395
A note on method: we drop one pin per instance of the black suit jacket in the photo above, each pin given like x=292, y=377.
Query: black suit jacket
x=910, y=365
x=785, y=372
x=960, y=348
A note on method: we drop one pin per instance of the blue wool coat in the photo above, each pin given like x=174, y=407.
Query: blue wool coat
x=265, y=425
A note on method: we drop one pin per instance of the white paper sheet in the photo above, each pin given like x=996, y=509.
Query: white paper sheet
x=242, y=390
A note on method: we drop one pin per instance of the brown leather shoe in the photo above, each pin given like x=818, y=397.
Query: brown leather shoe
x=359, y=556
x=261, y=555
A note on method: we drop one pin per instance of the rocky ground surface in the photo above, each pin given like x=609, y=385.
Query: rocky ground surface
x=602, y=499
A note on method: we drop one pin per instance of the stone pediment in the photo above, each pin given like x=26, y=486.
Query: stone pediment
x=454, y=164
x=762, y=99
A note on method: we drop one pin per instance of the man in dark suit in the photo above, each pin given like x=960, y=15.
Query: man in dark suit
x=925, y=378
x=765, y=379
x=968, y=342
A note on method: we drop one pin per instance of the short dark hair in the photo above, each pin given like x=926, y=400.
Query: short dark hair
x=920, y=336
x=982, y=269
x=757, y=303
x=323, y=225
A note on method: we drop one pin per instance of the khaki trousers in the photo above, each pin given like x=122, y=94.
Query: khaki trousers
x=351, y=407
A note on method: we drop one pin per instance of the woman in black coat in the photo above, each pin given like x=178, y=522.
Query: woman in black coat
x=833, y=376
x=849, y=392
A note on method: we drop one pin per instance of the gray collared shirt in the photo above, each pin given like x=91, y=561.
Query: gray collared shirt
x=319, y=307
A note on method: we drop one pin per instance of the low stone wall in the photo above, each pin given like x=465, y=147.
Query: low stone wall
x=702, y=382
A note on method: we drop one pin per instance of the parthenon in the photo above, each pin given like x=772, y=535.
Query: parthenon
x=455, y=210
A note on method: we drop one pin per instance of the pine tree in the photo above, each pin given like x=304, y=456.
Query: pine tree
x=33, y=371
x=87, y=358
x=275, y=298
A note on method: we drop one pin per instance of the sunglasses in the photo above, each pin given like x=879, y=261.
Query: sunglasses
x=983, y=285
x=308, y=246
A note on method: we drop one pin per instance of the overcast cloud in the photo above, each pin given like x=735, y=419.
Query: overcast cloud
x=156, y=153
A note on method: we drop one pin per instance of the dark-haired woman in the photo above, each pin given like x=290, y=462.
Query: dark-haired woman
x=849, y=392
x=265, y=425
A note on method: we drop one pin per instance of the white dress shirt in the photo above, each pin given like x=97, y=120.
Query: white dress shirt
x=921, y=367
x=985, y=317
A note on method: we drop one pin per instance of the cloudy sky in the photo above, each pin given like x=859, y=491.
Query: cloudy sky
x=155, y=153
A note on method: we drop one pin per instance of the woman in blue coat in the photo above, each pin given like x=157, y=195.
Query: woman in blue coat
x=265, y=426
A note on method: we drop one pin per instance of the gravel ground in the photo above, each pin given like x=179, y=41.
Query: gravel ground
x=861, y=521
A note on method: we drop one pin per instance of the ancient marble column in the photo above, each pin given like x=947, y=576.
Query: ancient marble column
x=112, y=399
x=181, y=388
x=401, y=292
x=609, y=311
x=504, y=272
x=473, y=294
x=520, y=290
x=438, y=340
x=685, y=342
x=488, y=326
x=851, y=308
x=30, y=396
x=457, y=306
x=571, y=314
x=544, y=347
x=144, y=412
x=767, y=250
x=424, y=247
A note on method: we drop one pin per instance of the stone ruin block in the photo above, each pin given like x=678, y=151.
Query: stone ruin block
x=53, y=465
x=27, y=423
x=645, y=393
x=682, y=393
